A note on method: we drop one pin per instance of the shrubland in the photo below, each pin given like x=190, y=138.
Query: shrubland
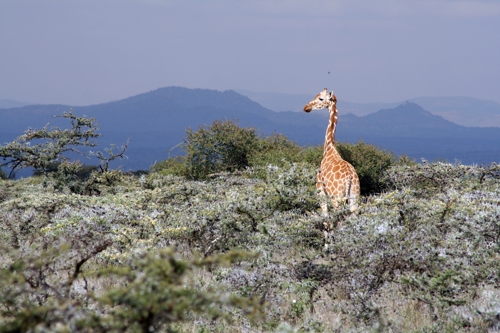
x=229, y=238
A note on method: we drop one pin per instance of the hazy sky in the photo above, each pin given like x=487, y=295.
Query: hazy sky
x=94, y=51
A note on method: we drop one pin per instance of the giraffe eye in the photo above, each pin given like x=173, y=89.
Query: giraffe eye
x=321, y=99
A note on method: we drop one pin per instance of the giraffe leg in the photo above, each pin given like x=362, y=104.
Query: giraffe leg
x=352, y=197
x=353, y=204
x=322, y=194
x=336, y=202
x=323, y=202
x=324, y=209
x=328, y=226
x=327, y=231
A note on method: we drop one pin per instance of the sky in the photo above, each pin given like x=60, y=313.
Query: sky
x=84, y=52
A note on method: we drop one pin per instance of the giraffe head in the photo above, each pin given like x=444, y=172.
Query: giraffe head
x=323, y=100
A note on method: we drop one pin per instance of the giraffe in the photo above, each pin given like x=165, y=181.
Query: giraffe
x=336, y=178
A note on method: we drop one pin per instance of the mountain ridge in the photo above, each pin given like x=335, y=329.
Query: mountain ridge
x=156, y=121
x=465, y=111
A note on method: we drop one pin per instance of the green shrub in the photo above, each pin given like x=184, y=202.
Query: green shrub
x=222, y=146
x=3, y=175
x=225, y=147
x=427, y=179
x=157, y=293
x=172, y=166
x=370, y=163
x=151, y=291
x=275, y=149
x=312, y=155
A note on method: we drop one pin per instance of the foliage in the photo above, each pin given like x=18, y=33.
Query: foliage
x=3, y=175
x=222, y=146
x=225, y=147
x=422, y=256
x=48, y=159
x=156, y=294
x=81, y=171
x=47, y=156
x=44, y=289
x=172, y=166
x=151, y=291
x=432, y=178
x=97, y=255
x=112, y=155
x=275, y=149
x=370, y=163
x=21, y=153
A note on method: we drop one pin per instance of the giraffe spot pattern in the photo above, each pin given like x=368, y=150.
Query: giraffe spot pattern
x=337, y=178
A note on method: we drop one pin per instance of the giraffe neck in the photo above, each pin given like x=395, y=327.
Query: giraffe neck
x=330, y=131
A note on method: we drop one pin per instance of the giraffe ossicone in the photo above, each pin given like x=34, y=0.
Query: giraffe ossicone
x=336, y=178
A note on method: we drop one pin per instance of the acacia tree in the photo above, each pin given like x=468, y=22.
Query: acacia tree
x=51, y=144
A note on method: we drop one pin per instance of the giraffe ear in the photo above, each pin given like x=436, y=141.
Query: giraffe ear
x=332, y=97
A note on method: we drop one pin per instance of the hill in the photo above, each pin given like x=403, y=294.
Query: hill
x=9, y=103
x=295, y=102
x=156, y=122
x=409, y=129
x=465, y=111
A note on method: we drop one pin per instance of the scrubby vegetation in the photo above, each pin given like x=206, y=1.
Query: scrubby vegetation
x=226, y=147
x=228, y=238
x=41, y=148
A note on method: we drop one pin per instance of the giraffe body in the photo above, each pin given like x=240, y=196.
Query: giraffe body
x=336, y=178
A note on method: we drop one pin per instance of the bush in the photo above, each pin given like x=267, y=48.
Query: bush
x=225, y=147
x=434, y=239
x=220, y=147
x=151, y=291
x=173, y=166
x=420, y=257
x=370, y=163
x=275, y=149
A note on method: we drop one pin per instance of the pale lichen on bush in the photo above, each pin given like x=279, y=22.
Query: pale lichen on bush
x=421, y=256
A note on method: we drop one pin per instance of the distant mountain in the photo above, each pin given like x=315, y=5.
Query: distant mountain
x=411, y=130
x=406, y=120
x=156, y=122
x=9, y=103
x=278, y=101
x=465, y=111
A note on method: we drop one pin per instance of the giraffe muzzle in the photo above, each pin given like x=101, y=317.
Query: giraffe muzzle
x=307, y=108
